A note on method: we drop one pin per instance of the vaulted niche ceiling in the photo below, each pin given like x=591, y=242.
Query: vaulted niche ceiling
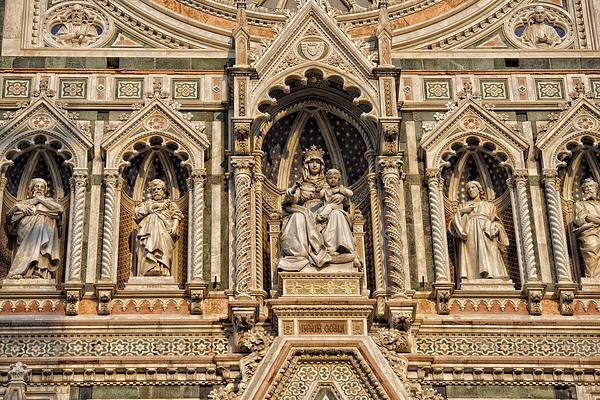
x=317, y=112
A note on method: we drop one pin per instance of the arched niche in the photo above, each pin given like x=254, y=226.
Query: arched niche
x=486, y=165
x=157, y=142
x=38, y=156
x=472, y=143
x=321, y=112
x=41, y=140
x=152, y=160
x=569, y=150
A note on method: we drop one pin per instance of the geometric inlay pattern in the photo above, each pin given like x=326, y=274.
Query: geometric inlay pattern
x=509, y=345
x=116, y=346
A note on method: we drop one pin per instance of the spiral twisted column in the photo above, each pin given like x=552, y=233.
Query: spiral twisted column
x=196, y=183
x=390, y=170
x=259, y=179
x=557, y=226
x=79, y=182
x=112, y=184
x=243, y=166
x=3, y=183
x=435, y=184
x=520, y=181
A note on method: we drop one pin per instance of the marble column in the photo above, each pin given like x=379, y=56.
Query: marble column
x=196, y=183
x=435, y=185
x=110, y=238
x=242, y=166
x=390, y=170
x=78, y=182
x=557, y=226
x=520, y=178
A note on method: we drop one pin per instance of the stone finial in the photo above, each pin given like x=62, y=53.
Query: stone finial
x=17, y=377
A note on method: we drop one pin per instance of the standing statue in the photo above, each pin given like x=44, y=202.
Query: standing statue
x=481, y=235
x=300, y=241
x=158, y=219
x=587, y=222
x=335, y=216
x=537, y=33
x=34, y=222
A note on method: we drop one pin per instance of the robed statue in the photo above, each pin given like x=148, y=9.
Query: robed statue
x=34, y=224
x=537, y=33
x=587, y=227
x=316, y=229
x=481, y=236
x=158, y=218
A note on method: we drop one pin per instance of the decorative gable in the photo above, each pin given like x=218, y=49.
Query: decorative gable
x=469, y=119
x=580, y=118
x=47, y=117
x=159, y=117
x=313, y=40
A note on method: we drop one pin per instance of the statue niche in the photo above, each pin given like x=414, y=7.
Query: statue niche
x=317, y=229
x=481, y=234
x=35, y=209
x=152, y=234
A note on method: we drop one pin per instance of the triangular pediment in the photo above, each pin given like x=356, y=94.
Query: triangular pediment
x=339, y=369
x=583, y=115
x=313, y=37
x=469, y=118
x=43, y=114
x=581, y=119
x=158, y=117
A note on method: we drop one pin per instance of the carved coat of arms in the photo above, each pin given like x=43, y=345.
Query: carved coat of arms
x=312, y=49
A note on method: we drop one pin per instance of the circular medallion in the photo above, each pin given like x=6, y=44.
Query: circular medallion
x=585, y=123
x=471, y=123
x=41, y=121
x=156, y=123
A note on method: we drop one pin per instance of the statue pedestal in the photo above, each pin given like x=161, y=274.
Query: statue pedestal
x=494, y=284
x=322, y=303
x=27, y=285
x=153, y=284
x=590, y=285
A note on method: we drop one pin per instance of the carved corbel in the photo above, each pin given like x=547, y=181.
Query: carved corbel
x=392, y=343
x=390, y=132
x=243, y=315
x=241, y=134
x=566, y=298
x=443, y=293
x=104, y=295
x=73, y=293
x=197, y=293
x=535, y=293
x=401, y=313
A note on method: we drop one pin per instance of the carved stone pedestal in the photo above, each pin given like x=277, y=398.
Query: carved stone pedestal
x=327, y=304
x=153, y=284
x=590, y=285
x=321, y=284
x=33, y=286
x=496, y=284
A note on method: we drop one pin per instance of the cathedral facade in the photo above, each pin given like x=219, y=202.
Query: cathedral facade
x=300, y=200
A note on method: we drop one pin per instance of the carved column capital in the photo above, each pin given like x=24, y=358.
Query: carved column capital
x=242, y=164
x=113, y=180
x=3, y=183
x=434, y=176
x=198, y=176
x=390, y=165
x=551, y=178
x=79, y=179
